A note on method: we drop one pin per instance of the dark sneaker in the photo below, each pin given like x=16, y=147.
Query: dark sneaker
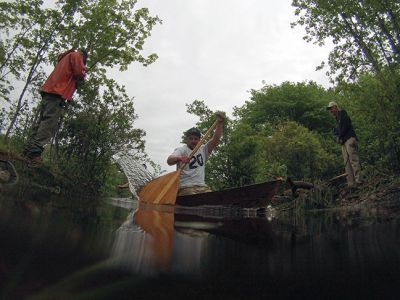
x=35, y=162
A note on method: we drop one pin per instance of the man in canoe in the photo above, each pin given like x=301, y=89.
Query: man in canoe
x=193, y=175
x=346, y=136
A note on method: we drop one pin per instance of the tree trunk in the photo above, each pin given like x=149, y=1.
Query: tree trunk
x=35, y=65
x=21, y=96
x=16, y=44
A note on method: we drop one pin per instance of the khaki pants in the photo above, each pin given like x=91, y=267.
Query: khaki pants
x=351, y=162
x=45, y=127
x=191, y=190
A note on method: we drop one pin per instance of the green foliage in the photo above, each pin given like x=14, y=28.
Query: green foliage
x=237, y=160
x=374, y=108
x=365, y=63
x=95, y=128
x=300, y=102
x=300, y=151
x=282, y=131
x=372, y=105
x=272, y=112
x=100, y=120
x=200, y=109
x=19, y=23
x=112, y=32
x=364, y=33
x=114, y=178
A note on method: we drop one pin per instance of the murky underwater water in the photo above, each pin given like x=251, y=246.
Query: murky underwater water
x=125, y=252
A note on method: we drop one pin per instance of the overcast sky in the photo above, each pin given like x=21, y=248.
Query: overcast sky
x=216, y=51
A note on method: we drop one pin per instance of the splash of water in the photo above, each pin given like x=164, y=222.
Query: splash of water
x=135, y=170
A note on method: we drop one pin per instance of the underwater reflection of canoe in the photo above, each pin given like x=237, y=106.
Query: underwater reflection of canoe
x=255, y=195
x=260, y=230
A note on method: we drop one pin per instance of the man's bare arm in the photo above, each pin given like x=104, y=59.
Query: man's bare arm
x=174, y=159
x=218, y=132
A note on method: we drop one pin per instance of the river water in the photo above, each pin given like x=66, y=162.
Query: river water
x=121, y=250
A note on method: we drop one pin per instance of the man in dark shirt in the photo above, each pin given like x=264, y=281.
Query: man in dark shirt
x=346, y=136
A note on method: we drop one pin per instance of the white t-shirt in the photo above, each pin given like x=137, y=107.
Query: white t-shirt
x=194, y=171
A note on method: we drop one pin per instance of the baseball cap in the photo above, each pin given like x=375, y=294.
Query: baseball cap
x=331, y=104
x=193, y=131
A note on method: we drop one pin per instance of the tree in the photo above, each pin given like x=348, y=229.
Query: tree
x=112, y=31
x=377, y=127
x=18, y=19
x=366, y=34
x=299, y=152
x=96, y=127
x=100, y=120
x=41, y=26
x=301, y=102
x=281, y=130
x=244, y=149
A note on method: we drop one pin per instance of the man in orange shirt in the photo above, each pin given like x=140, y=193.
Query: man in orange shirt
x=58, y=88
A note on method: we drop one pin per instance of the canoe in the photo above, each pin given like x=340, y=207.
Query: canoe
x=255, y=195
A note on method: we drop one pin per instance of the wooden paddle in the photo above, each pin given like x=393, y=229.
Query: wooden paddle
x=163, y=190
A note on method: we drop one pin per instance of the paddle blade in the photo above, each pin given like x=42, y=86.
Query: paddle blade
x=162, y=190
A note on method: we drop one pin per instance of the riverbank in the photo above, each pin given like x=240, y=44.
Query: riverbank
x=380, y=188
x=379, y=191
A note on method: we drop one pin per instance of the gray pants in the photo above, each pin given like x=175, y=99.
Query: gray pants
x=44, y=129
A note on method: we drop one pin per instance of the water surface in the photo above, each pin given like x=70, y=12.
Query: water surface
x=122, y=251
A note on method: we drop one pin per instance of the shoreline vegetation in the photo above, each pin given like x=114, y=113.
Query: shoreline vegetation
x=280, y=130
x=327, y=196
x=294, y=197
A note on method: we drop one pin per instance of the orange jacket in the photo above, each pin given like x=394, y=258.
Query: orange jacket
x=69, y=69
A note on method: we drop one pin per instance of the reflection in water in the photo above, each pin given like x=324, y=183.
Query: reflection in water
x=144, y=242
x=318, y=253
x=156, y=239
x=147, y=243
x=197, y=253
x=41, y=246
